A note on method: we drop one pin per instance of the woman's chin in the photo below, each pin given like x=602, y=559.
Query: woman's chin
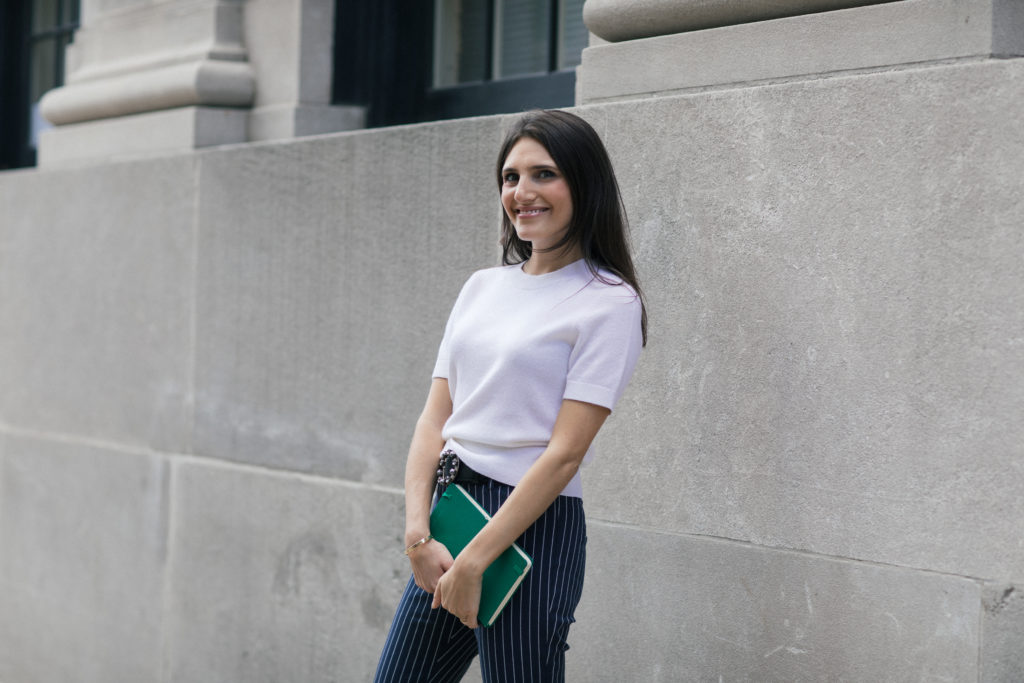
x=525, y=235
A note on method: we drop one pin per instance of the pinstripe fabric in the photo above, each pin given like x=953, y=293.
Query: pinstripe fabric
x=527, y=643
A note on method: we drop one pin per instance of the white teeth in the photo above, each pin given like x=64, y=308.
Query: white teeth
x=531, y=212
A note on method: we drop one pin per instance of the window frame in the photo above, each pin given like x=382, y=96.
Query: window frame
x=392, y=74
x=15, y=151
x=17, y=38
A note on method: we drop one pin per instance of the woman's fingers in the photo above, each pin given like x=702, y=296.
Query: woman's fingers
x=436, y=602
x=460, y=597
x=429, y=562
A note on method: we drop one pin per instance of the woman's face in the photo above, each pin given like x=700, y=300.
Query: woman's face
x=535, y=195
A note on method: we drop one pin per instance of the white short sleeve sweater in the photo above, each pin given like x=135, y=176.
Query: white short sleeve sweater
x=516, y=345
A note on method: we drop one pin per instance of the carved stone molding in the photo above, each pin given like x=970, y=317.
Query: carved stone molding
x=618, y=20
x=136, y=57
x=206, y=83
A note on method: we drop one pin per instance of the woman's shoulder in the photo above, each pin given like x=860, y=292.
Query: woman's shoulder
x=488, y=275
x=483, y=280
x=607, y=285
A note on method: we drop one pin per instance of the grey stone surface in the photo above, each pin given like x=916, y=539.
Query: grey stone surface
x=160, y=133
x=148, y=56
x=279, y=122
x=327, y=271
x=1002, y=634
x=96, y=289
x=834, y=272
x=82, y=550
x=617, y=20
x=215, y=83
x=710, y=610
x=290, y=46
x=873, y=37
x=119, y=36
x=279, y=578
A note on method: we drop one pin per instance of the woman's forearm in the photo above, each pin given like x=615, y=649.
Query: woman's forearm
x=538, y=488
x=420, y=470
x=421, y=463
x=575, y=428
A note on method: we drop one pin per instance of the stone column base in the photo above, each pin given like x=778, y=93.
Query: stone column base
x=161, y=132
x=862, y=38
x=279, y=121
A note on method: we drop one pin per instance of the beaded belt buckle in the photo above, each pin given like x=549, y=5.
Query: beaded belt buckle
x=447, y=469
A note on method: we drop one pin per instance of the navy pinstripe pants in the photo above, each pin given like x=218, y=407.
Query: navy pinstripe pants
x=527, y=642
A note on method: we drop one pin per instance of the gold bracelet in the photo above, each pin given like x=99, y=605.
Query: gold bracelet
x=418, y=543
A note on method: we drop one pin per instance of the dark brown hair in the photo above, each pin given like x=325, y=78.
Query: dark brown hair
x=598, y=223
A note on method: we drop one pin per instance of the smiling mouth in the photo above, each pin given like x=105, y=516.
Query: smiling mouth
x=527, y=213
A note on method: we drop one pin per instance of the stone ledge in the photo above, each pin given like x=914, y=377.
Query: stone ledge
x=616, y=20
x=877, y=36
x=207, y=83
x=139, y=135
x=283, y=121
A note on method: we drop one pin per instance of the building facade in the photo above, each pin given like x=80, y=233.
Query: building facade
x=223, y=283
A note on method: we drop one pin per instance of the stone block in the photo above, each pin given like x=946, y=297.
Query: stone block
x=290, y=44
x=327, y=271
x=873, y=37
x=276, y=577
x=833, y=271
x=278, y=122
x=665, y=607
x=82, y=550
x=174, y=131
x=96, y=288
x=119, y=36
x=1002, y=634
x=147, y=56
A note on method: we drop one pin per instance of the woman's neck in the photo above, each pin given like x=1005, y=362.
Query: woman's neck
x=543, y=262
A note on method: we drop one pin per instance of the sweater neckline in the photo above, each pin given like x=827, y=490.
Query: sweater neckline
x=567, y=272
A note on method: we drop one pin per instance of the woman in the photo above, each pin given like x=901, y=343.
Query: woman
x=534, y=356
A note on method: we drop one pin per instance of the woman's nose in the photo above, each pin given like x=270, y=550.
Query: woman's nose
x=524, y=190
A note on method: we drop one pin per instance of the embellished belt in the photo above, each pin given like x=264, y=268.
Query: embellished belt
x=451, y=470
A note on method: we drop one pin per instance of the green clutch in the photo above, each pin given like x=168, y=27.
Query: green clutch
x=456, y=519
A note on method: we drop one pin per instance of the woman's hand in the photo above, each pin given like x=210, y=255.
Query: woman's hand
x=429, y=562
x=458, y=591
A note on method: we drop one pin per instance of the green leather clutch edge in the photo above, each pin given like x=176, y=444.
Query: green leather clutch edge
x=455, y=520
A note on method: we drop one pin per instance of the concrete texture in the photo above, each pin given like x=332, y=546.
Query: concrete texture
x=327, y=271
x=715, y=610
x=120, y=36
x=879, y=36
x=158, y=133
x=291, y=47
x=1002, y=628
x=82, y=553
x=96, y=277
x=835, y=332
x=279, y=578
x=279, y=122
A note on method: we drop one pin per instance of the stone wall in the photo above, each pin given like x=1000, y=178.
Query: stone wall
x=212, y=363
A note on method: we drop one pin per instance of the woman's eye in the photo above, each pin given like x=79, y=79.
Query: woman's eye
x=511, y=177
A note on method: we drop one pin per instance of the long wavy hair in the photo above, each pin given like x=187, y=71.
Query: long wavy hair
x=598, y=223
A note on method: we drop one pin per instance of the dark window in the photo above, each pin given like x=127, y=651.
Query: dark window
x=415, y=60
x=33, y=40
